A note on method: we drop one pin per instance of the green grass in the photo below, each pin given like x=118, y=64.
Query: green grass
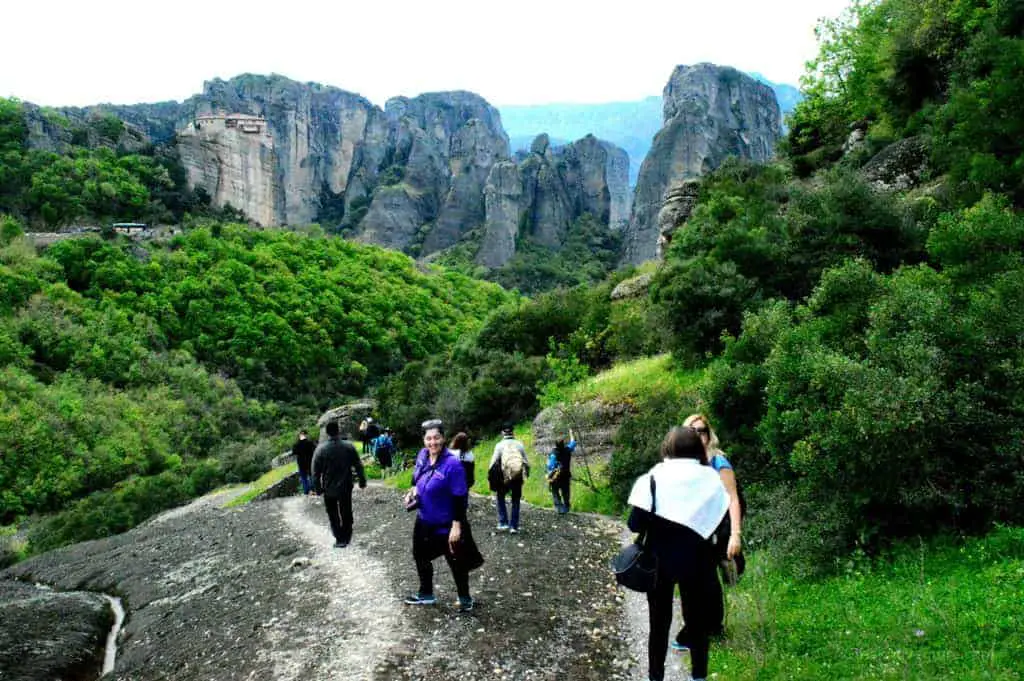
x=265, y=481
x=935, y=611
x=627, y=381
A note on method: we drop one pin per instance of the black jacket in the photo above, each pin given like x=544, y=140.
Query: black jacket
x=333, y=463
x=303, y=452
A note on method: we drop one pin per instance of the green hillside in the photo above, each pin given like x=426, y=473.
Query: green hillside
x=137, y=375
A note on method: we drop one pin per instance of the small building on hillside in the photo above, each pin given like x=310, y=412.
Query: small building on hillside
x=128, y=227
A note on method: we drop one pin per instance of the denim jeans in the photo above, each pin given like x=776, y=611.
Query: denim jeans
x=307, y=483
x=516, y=490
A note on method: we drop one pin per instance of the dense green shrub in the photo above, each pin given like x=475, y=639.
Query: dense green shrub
x=888, y=403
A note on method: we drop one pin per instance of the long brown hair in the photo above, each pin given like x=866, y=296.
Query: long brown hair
x=460, y=442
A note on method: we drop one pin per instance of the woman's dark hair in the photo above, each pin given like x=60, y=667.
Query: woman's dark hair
x=682, y=442
x=460, y=442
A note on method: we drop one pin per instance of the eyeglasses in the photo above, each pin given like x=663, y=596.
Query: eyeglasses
x=704, y=430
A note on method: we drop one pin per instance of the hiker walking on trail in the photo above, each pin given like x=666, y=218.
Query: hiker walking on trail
x=507, y=471
x=303, y=450
x=383, y=448
x=363, y=437
x=730, y=548
x=559, y=472
x=333, y=464
x=460, y=448
x=688, y=501
x=439, y=496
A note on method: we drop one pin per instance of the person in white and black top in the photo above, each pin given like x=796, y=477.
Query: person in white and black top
x=460, y=448
x=690, y=503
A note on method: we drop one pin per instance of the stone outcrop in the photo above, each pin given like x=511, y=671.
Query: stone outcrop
x=348, y=416
x=547, y=191
x=594, y=424
x=900, y=166
x=46, y=634
x=676, y=207
x=634, y=287
x=441, y=149
x=710, y=113
x=617, y=176
x=316, y=140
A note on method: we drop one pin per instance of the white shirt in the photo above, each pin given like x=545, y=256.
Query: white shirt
x=688, y=493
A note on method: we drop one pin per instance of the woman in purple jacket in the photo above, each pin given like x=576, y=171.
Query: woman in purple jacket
x=439, y=495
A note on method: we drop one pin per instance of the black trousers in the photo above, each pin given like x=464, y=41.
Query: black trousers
x=339, y=513
x=561, y=489
x=697, y=590
x=428, y=544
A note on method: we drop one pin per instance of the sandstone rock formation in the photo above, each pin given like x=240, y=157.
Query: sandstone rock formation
x=676, y=207
x=549, y=189
x=594, y=423
x=442, y=147
x=711, y=112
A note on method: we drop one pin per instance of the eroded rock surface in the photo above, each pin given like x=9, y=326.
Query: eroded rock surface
x=46, y=634
x=711, y=113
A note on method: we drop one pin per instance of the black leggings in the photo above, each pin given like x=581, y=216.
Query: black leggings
x=428, y=544
x=697, y=594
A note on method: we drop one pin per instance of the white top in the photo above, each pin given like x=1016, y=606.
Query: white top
x=688, y=493
x=466, y=457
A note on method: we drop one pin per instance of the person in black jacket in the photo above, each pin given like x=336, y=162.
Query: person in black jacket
x=303, y=450
x=333, y=463
x=679, y=504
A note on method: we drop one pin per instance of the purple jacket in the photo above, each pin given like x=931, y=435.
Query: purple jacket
x=441, y=488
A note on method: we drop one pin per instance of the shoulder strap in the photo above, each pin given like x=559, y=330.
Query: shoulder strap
x=654, y=496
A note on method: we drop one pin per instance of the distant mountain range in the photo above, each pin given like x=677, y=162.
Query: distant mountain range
x=630, y=125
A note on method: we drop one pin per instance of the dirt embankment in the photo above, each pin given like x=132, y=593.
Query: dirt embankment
x=260, y=593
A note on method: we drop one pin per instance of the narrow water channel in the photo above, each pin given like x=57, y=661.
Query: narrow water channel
x=110, y=654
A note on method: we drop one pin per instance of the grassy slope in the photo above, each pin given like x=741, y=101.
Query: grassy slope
x=934, y=611
x=942, y=610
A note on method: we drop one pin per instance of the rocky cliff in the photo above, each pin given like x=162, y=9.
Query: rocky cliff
x=547, y=190
x=710, y=113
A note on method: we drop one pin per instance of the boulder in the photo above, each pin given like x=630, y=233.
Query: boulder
x=634, y=287
x=348, y=417
x=900, y=166
x=594, y=423
x=46, y=634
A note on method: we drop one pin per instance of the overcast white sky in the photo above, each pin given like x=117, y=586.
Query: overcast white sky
x=77, y=52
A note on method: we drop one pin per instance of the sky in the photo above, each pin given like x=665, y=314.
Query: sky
x=79, y=52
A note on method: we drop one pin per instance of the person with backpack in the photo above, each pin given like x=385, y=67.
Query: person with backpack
x=439, y=496
x=730, y=547
x=303, y=450
x=333, y=464
x=676, y=506
x=383, y=448
x=559, y=470
x=507, y=471
x=460, y=448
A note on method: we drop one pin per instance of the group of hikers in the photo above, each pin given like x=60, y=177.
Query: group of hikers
x=687, y=508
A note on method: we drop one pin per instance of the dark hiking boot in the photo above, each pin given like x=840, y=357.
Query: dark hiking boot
x=421, y=599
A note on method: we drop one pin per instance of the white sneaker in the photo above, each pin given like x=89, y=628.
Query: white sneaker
x=502, y=527
x=513, y=531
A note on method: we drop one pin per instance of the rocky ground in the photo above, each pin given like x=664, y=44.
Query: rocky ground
x=259, y=592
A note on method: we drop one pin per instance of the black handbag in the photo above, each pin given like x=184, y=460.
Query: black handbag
x=636, y=566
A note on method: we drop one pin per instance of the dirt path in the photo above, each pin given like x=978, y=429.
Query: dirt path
x=364, y=625
x=259, y=593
